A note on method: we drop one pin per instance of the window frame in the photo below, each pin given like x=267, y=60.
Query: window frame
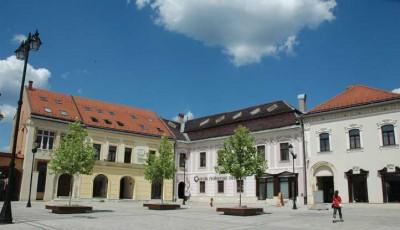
x=112, y=158
x=355, y=139
x=99, y=152
x=130, y=155
x=218, y=187
x=202, y=187
x=281, y=153
x=265, y=151
x=390, y=138
x=45, y=145
x=203, y=160
x=326, y=141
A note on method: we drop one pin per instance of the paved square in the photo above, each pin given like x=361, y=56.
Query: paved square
x=131, y=215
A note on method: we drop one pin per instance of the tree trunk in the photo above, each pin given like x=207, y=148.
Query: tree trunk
x=240, y=194
x=162, y=191
x=70, y=190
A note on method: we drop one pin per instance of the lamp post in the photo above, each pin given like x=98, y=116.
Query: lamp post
x=184, y=180
x=22, y=53
x=34, y=150
x=294, y=156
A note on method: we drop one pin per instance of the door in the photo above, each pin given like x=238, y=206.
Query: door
x=360, y=190
x=181, y=190
x=393, y=188
x=41, y=183
x=156, y=190
x=325, y=184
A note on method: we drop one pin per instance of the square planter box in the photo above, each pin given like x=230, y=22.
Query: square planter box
x=65, y=209
x=162, y=206
x=241, y=211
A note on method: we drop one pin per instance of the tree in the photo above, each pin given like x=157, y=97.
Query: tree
x=239, y=157
x=162, y=166
x=74, y=155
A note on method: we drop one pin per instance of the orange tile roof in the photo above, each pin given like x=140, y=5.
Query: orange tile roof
x=96, y=113
x=355, y=95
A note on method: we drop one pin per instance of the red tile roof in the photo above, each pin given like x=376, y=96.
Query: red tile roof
x=96, y=113
x=356, y=95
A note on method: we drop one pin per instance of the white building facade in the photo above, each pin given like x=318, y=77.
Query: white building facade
x=352, y=144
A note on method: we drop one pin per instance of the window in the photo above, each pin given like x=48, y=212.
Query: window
x=87, y=108
x=220, y=186
x=94, y=119
x=261, y=151
x=97, y=151
x=182, y=158
x=64, y=113
x=219, y=158
x=388, y=135
x=133, y=117
x=112, y=151
x=99, y=110
x=140, y=156
x=47, y=110
x=284, y=151
x=43, y=98
x=324, y=142
x=202, y=160
x=202, y=187
x=45, y=139
x=108, y=122
x=111, y=113
x=354, y=136
x=120, y=123
x=128, y=155
x=239, y=186
x=284, y=187
x=58, y=101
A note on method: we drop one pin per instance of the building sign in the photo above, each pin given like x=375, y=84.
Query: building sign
x=356, y=170
x=391, y=168
x=212, y=178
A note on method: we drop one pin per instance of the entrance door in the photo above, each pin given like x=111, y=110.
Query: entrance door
x=181, y=190
x=393, y=188
x=41, y=183
x=64, y=185
x=126, y=188
x=156, y=190
x=325, y=183
x=359, y=186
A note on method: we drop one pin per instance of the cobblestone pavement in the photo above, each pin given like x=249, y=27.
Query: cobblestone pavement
x=131, y=215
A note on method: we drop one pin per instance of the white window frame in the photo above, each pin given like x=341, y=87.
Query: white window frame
x=347, y=130
x=329, y=132
x=395, y=128
x=42, y=135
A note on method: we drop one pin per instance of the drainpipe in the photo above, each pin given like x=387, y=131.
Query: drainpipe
x=304, y=158
x=174, y=179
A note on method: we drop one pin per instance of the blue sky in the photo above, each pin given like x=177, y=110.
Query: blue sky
x=131, y=53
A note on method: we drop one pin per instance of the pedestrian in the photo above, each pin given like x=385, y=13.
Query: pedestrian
x=337, y=206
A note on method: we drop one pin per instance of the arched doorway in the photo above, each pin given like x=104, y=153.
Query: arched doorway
x=156, y=190
x=126, y=186
x=324, y=178
x=181, y=190
x=100, y=184
x=64, y=185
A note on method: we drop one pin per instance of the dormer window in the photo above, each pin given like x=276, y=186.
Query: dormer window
x=47, y=110
x=94, y=119
x=120, y=123
x=236, y=116
x=64, y=113
x=255, y=111
x=100, y=111
x=204, y=122
x=108, y=122
x=171, y=124
x=272, y=107
x=133, y=117
x=87, y=108
x=58, y=101
x=160, y=130
x=111, y=113
x=43, y=98
x=219, y=119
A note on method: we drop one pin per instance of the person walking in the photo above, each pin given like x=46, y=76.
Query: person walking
x=337, y=206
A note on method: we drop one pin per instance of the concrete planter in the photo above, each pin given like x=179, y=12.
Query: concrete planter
x=241, y=211
x=162, y=206
x=65, y=209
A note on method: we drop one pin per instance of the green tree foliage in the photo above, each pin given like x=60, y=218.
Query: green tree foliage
x=162, y=166
x=239, y=157
x=74, y=155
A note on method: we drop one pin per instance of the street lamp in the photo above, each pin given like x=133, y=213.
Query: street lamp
x=34, y=150
x=294, y=156
x=32, y=42
x=184, y=179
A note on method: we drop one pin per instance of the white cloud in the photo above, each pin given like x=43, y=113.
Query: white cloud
x=396, y=90
x=10, y=82
x=248, y=30
x=8, y=112
x=188, y=116
x=18, y=38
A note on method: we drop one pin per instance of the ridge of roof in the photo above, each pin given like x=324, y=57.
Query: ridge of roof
x=354, y=95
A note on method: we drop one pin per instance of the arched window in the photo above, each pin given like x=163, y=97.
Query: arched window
x=100, y=184
x=388, y=135
x=354, y=136
x=324, y=145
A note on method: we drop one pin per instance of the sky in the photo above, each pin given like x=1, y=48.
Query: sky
x=199, y=57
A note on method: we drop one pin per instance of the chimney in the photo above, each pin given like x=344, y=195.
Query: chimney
x=302, y=102
x=30, y=86
x=181, y=120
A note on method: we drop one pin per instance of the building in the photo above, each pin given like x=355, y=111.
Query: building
x=274, y=125
x=4, y=170
x=121, y=135
x=353, y=146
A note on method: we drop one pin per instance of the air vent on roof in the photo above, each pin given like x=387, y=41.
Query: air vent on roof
x=120, y=123
x=219, y=119
x=272, y=107
x=111, y=113
x=171, y=124
x=205, y=122
x=142, y=127
x=99, y=111
x=149, y=120
x=47, y=110
x=160, y=130
x=87, y=108
x=58, y=101
x=94, y=119
x=255, y=111
x=43, y=98
x=108, y=122
x=236, y=116
x=133, y=117
x=64, y=113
